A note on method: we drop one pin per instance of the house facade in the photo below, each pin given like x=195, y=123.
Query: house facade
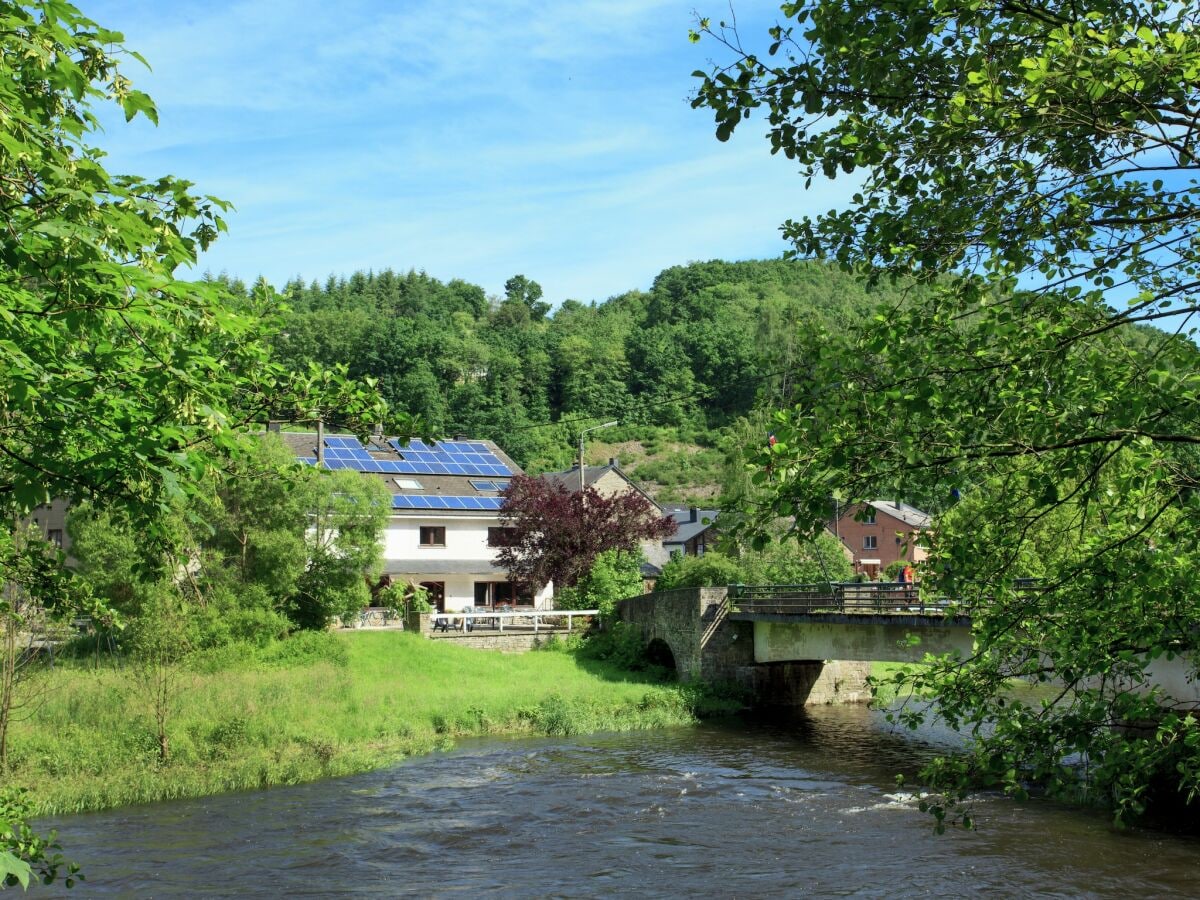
x=880, y=532
x=444, y=530
x=696, y=530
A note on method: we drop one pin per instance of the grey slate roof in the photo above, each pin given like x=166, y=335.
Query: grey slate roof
x=909, y=515
x=690, y=522
x=591, y=474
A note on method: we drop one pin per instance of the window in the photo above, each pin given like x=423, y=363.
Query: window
x=409, y=484
x=433, y=535
x=870, y=542
x=484, y=486
x=501, y=536
x=55, y=537
x=489, y=593
x=869, y=517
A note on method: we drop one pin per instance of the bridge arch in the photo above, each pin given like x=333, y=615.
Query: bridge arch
x=660, y=653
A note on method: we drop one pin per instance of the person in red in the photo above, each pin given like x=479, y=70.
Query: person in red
x=908, y=576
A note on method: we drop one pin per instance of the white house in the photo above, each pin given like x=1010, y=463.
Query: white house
x=444, y=529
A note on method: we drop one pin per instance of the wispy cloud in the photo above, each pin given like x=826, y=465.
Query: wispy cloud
x=474, y=140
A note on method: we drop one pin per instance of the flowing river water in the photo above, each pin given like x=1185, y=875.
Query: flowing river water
x=785, y=807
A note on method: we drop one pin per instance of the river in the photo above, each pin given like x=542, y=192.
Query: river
x=804, y=805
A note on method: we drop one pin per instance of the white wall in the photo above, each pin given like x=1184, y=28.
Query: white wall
x=466, y=541
x=465, y=538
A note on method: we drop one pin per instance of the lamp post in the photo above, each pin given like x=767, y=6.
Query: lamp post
x=581, y=434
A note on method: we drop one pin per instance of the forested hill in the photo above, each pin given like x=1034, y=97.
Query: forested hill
x=690, y=355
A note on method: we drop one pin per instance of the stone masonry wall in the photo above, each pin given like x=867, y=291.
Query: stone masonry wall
x=706, y=645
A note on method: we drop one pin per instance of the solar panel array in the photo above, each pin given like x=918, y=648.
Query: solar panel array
x=449, y=458
x=440, y=501
x=416, y=458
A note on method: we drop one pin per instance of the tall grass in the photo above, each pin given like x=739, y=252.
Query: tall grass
x=319, y=706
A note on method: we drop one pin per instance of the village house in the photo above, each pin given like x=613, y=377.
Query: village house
x=880, y=532
x=444, y=530
x=697, y=530
x=608, y=481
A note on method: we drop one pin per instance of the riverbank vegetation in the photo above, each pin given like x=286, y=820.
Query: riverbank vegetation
x=313, y=706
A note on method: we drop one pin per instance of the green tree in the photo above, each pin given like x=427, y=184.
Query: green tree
x=709, y=570
x=784, y=560
x=1032, y=166
x=267, y=547
x=615, y=575
x=117, y=381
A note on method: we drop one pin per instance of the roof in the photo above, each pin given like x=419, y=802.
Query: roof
x=690, y=521
x=569, y=479
x=909, y=515
x=453, y=478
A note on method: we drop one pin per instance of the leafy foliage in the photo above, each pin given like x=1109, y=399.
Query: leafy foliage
x=615, y=575
x=709, y=570
x=23, y=852
x=690, y=355
x=1039, y=183
x=557, y=534
x=266, y=547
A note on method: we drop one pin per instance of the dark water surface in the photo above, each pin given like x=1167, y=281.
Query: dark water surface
x=804, y=806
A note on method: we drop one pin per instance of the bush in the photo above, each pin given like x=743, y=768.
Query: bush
x=709, y=570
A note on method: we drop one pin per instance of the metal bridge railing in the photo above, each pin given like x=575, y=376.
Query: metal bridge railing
x=835, y=597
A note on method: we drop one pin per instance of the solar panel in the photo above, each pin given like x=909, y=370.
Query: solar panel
x=451, y=458
x=439, y=501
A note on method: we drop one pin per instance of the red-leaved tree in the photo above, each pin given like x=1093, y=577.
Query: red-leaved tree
x=556, y=534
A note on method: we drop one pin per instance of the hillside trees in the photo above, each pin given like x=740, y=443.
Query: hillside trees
x=1032, y=166
x=693, y=353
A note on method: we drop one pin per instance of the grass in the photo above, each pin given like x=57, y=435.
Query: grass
x=328, y=705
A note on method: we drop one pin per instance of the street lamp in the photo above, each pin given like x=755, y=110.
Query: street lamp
x=581, y=434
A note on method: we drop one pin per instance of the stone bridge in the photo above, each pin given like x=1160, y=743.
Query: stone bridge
x=691, y=630
x=810, y=649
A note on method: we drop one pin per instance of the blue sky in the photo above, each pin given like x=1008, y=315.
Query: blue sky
x=472, y=140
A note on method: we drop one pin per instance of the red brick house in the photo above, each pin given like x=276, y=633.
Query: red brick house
x=880, y=532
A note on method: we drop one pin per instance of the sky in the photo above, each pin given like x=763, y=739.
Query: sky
x=472, y=140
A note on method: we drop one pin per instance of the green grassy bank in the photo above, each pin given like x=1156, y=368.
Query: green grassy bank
x=314, y=707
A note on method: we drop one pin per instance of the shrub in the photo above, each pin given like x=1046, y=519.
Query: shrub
x=709, y=570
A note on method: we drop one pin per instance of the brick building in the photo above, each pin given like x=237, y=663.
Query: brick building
x=880, y=532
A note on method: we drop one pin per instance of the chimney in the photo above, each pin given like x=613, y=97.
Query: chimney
x=273, y=426
x=320, y=443
x=377, y=431
x=614, y=463
x=461, y=437
x=693, y=514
